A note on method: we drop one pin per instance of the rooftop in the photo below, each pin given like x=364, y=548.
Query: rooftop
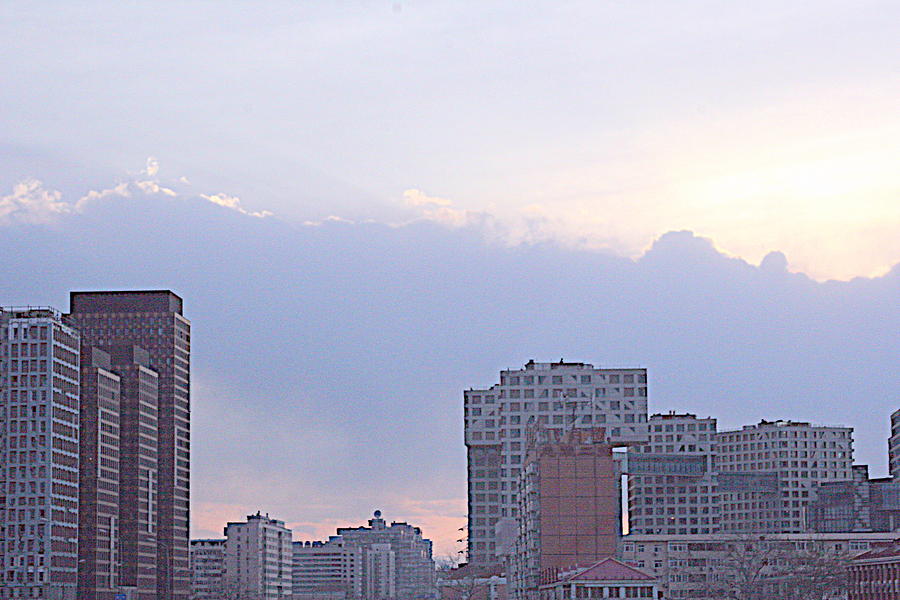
x=608, y=569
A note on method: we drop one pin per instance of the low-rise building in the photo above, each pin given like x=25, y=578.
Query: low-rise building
x=875, y=575
x=608, y=578
x=470, y=582
x=710, y=567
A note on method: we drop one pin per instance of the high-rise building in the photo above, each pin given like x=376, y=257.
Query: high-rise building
x=138, y=472
x=396, y=560
x=672, y=487
x=894, y=446
x=568, y=507
x=378, y=562
x=39, y=437
x=258, y=558
x=768, y=472
x=153, y=320
x=207, y=569
x=99, y=552
x=556, y=396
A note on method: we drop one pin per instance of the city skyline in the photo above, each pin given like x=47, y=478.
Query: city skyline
x=371, y=208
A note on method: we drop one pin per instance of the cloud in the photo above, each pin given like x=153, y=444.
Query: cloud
x=234, y=203
x=439, y=210
x=31, y=203
x=152, y=167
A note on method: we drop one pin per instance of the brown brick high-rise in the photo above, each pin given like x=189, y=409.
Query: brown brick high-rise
x=569, y=506
x=139, y=470
x=98, y=479
x=153, y=320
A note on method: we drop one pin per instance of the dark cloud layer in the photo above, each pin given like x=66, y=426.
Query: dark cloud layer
x=329, y=360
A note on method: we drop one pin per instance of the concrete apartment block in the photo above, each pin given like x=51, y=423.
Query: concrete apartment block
x=672, y=483
x=39, y=441
x=557, y=396
x=208, y=569
x=258, y=558
x=768, y=472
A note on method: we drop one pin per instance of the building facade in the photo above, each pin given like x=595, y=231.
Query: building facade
x=875, y=575
x=861, y=504
x=396, y=559
x=258, y=559
x=672, y=482
x=327, y=570
x=138, y=472
x=153, y=320
x=894, y=446
x=768, y=472
x=569, y=507
x=207, y=569
x=99, y=556
x=39, y=443
x=712, y=567
x=378, y=562
x=557, y=396
x=608, y=578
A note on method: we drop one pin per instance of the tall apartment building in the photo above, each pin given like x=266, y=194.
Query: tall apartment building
x=207, y=570
x=138, y=472
x=258, y=558
x=672, y=483
x=153, y=320
x=768, y=472
x=556, y=396
x=569, y=508
x=894, y=446
x=39, y=443
x=99, y=556
x=327, y=570
x=708, y=567
x=396, y=560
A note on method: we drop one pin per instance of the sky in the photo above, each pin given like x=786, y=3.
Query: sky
x=371, y=206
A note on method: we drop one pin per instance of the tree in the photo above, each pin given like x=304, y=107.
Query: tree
x=815, y=573
x=462, y=581
x=759, y=567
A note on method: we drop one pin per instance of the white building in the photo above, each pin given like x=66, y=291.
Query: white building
x=258, y=558
x=39, y=437
x=672, y=487
x=327, y=570
x=557, y=396
x=207, y=568
x=699, y=566
x=378, y=562
x=768, y=472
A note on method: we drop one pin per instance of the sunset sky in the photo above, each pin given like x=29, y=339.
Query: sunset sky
x=524, y=133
